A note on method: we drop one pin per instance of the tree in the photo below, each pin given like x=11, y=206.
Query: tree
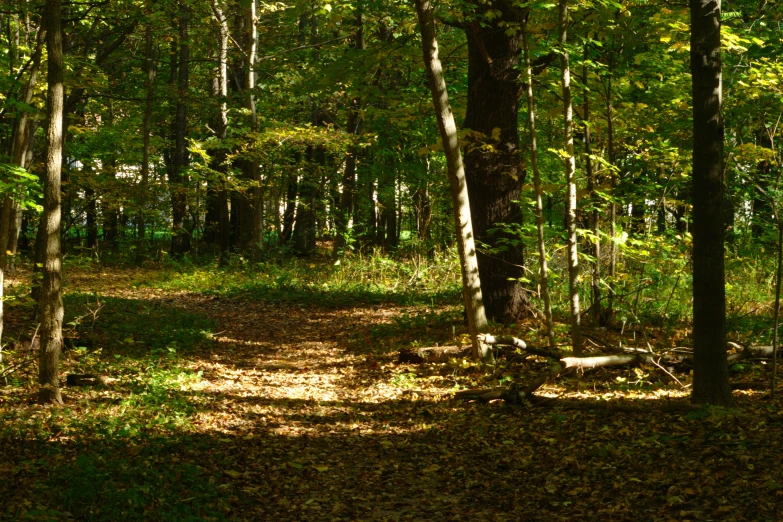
x=493, y=165
x=149, y=84
x=570, y=164
x=531, y=122
x=471, y=282
x=51, y=302
x=219, y=160
x=180, y=240
x=710, y=371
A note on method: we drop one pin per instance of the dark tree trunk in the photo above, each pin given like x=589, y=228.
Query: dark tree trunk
x=422, y=211
x=51, y=303
x=180, y=240
x=345, y=206
x=309, y=192
x=211, y=212
x=638, y=216
x=710, y=372
x=21, y=154
x=387, y=229
x=292, y=190
x=495, y=177
x=217, y=209
x=346, y=203
x=92, y=218
x=595, y=200
x=149, y=68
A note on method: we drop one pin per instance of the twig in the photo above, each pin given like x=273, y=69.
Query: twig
x=667, y=372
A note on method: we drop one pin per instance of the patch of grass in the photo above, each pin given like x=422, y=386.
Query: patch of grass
x=136, y=326
x=325, y=283
x=111, y=483
x=410, y=329
x=404, y=380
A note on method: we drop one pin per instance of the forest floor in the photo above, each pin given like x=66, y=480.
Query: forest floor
x=219, y=406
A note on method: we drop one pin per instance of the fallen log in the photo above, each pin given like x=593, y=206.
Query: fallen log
x=83, y=379
x=585, y=363
x=582, y=404
x=431, y=354
x=508, y=340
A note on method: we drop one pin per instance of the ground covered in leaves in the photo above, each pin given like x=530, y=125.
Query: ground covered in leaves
x=256, y=398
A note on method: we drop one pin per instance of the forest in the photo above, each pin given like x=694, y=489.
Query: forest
x=390, y=260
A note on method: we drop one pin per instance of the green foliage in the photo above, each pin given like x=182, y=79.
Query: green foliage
x=108, y=484
x=22, y=186
x=135, y=326
x=351, y=281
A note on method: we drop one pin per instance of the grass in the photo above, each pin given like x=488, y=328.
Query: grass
x=138, y=447
x=352, y=281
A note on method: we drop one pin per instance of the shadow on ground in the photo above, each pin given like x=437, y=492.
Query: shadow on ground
x=292, y=411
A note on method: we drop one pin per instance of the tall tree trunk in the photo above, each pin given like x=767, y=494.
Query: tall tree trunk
x=292, y=189
x=570, y=164
x=310, y=186
x=710, y=372
x=92, y=216
x=495, y=175
x=309, y=192
x=180, y=241
x=51, y=303
x=387, y=231
x=531, y=122
x=364, y=210
x=111, y=205
x=471, y=282
x=345, y=207
x=221, y=126
x=10, y=214
x=255, y=171
x=149, y=69
x=612, y=183
x=595, y=273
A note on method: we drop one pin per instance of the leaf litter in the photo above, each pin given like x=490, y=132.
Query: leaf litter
x=297, y=411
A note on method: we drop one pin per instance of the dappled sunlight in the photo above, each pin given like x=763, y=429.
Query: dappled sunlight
x=299, y=411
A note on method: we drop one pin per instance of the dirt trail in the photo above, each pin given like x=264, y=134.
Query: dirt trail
x=301, y=414
x=326, y=435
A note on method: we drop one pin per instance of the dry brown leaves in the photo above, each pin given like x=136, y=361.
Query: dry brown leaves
x=301, y=415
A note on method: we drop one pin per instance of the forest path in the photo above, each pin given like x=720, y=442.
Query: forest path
x=295, y=410
x=324, y=427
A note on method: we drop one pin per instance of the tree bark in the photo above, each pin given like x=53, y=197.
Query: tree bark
x=493, y=166
x=595, y=272
x=305, y=227
x=292, y=189
x=471, y=282
x=149, y=69
x=180, y=241
x=255, y=171
x=531, y=123
x=221, y=126
x=51, y=303
x=309, y=191
x=345, y=208
x=612, y=182
x=22, y=141
x=570, y=164
x=710, y=374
